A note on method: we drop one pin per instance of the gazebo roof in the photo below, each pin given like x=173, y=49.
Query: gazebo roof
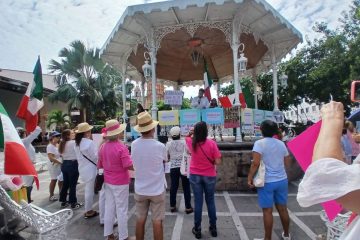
x=174, y=23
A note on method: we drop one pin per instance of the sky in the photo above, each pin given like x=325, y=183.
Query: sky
x=29, y=28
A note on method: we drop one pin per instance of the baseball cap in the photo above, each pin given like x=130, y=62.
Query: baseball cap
x=54, y=134
x=175, y=131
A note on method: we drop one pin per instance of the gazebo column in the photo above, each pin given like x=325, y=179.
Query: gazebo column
x=275, y=79
x=235, y=48
x=142, y=90
x=154, y=108
x=254, y=77
x=123, y=83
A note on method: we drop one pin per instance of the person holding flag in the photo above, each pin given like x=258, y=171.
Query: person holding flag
x=32, y=101
x=16, y=159
x=27, y=140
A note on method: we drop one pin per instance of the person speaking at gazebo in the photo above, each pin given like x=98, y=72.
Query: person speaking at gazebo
x=200, y=102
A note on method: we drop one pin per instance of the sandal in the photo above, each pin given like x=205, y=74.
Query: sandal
x=94, y=214
x=53, y=198
x=113, y=237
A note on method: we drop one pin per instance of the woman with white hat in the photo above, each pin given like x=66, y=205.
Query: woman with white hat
x=114, y=159
x=87, y=157
x=175, y=150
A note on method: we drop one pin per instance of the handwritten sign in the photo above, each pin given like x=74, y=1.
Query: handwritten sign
x=269, y=115
x=279, y=116
x=167, y=118
x=232, y=117
x=213, y=116
x=173, y=98
x=189, y=116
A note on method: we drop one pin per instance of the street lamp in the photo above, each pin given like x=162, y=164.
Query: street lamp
x=283, y=80
x=242, y=60
x=147, y=67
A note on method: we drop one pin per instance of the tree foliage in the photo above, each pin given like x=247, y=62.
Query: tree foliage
x=85, y=81
x=58, y=119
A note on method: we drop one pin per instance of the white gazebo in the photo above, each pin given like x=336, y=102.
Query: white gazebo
x=176, y=34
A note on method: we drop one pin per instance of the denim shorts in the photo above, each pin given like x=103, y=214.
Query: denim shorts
x=273, y=193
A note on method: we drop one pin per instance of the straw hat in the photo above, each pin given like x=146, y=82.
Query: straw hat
x=145, y=122
x=83, y=127
x=113, y=127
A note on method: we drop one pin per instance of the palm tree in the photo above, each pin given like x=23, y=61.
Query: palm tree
x=59, y=119
x=78, y=74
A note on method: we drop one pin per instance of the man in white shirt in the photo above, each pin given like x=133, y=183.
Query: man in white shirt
x=148, y=157
x=200, y=102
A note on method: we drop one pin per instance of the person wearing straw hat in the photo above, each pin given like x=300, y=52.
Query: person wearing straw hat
x=149, y=156
x=114, y=159
x=87, y=157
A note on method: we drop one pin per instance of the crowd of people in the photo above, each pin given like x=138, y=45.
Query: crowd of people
x=73, y=154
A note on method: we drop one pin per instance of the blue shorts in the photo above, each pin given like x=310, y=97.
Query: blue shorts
x=273, y=192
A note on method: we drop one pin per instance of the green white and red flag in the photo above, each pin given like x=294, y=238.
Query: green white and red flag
x=16, y=160
x=207, y=82
x=32, y=101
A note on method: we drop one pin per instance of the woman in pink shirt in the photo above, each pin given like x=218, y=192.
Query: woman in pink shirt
x=204, y=156
x=114, y=158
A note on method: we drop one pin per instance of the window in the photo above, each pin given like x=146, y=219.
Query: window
x=314, y=108
x=302, y=111
x=307, y=110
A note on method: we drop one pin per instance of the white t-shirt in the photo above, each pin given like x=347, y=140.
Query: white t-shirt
x=148, y=156
x=69, y=151
x=329, y=179
x=200, y=103
x=272, y=153
x=53, y=150
x=87, y=170
x=175, y=149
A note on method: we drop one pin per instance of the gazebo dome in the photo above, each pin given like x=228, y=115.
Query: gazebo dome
x=218, y=24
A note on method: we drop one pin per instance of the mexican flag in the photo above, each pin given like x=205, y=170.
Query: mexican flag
x=229, y=101
x=17, y=161
x=207, y=82
x=32, y=102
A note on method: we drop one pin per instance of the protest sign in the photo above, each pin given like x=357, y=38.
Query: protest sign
x=269, y=115
x=232, y=117
x=173, y=98
x=213, y=116
x=167, y=118
x=247, y=121
x=279, y=116
x=189, y=116
x=258, y=119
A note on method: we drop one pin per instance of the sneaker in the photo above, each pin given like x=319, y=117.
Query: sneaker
x=53, y=198
x=197, y=233
x=76, y=205
x=213, y=231
x=285, y=238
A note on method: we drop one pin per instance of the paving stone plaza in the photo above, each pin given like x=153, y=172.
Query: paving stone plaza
x=239, y=217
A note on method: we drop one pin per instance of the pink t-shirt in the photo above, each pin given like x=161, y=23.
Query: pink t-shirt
x=354, y=145
x=200, y=164
x=115, y=159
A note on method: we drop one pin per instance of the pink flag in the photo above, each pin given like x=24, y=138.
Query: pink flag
x=302, y=148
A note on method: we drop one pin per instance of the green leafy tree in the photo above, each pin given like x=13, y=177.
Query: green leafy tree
x=83, y=79
x=58, y=119
x=186, y=104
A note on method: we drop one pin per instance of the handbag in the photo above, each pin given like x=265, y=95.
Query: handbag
x=99, y=181
x=185, y=163
x=259, y=179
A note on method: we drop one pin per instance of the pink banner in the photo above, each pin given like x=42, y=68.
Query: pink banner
x=302, y=148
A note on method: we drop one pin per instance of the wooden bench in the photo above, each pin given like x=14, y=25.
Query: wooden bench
x=41, y=220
